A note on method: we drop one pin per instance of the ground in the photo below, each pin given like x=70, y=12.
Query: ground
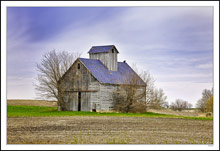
x=108, y=130
x=32, y=103
x=190, y=113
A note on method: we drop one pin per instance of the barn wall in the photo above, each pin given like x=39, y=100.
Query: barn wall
x=95, y=96
x=106, y=96
x=79, y=80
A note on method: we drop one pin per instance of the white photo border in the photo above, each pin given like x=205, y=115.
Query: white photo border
x=5, y=4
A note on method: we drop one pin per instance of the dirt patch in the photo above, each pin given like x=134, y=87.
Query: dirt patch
x=32, y=103
x=107, y=130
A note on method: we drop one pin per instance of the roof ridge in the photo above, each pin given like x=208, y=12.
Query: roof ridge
x=102, y=49
x=103, y=45
x=99, y=60
x=89, y=59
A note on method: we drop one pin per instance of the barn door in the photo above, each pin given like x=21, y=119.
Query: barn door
x=79, y=101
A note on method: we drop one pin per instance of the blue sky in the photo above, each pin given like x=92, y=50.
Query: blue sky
x=174, y=43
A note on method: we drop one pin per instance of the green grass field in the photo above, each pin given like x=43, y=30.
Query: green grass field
x=39, y=111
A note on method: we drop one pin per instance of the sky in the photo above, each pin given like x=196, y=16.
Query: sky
x=175, y=44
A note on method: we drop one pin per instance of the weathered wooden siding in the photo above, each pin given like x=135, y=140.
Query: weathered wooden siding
x=79, y=80
x=106, y=96
x=95, y=96
x=109, y=59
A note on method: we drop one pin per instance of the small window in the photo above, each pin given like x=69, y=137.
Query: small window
x=112, y=50
x=78, y=66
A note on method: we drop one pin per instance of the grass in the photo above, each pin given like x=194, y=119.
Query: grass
x=40, y=111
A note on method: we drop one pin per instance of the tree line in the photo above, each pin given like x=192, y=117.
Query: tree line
x=205, y=104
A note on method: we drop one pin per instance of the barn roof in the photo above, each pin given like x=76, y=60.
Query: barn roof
x=100, y=49
x=103, y=75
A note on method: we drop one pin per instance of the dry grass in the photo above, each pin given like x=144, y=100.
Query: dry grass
x=190, y=113
x=32, y=103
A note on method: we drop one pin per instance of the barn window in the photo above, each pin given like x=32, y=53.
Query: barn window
x=112, y=50
x=78, y=66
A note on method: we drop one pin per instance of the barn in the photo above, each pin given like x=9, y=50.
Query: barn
x=89, y=84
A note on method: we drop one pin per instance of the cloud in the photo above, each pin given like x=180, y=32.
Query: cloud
x=205, y=66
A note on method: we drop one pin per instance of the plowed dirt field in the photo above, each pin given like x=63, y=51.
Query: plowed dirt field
x=108, y=130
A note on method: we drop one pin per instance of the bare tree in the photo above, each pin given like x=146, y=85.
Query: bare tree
x=130, y=96
x=165, y=105
x=135, y=98
x=180, y=105
x=51, y=68
x=201, y=103
x=157, y=100
x=190, y=106
x=149, y=81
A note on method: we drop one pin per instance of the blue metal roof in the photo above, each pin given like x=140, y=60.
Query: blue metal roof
x=103, y=75
x=99, y=49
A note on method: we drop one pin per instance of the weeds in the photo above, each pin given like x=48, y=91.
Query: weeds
x=118, y=140
x=191, y=140
x=201, y=141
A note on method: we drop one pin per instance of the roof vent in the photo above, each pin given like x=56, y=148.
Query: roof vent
x=124, y=61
